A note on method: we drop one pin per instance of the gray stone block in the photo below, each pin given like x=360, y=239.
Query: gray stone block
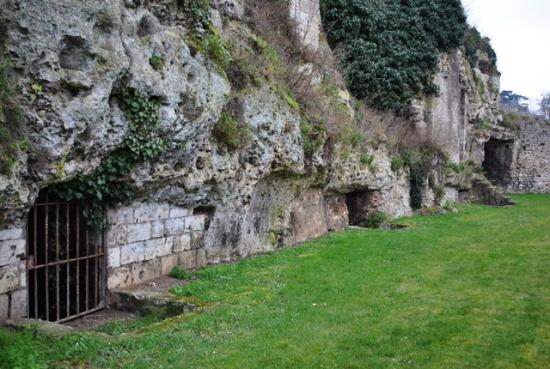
x=121, y=234
x=177, y=212
x=175, y=226
x=119, y=277
x=122, y=215
x=182, y=242
x=9, y=250
x=9, y=278
x=19, y=304
x=4, y=307
x=131, y=253
x=139, y=232
x=187, y=259
x=11, y=234
x=113, y=257
x=168, y=263
x=158, y=229
x=151, y=212
x=201, y=258
x=157, y=247
x=143, y=272
x=195, y=222
x=197, y=239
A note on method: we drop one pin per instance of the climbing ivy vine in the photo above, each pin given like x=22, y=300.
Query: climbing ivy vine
x=108, y=184
x=197, y=10
x=389, y=49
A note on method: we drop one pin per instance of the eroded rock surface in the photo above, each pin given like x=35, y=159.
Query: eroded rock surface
x=201, y=202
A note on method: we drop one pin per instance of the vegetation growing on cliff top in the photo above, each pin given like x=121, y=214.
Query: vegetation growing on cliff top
x=473, y=44
x=389, y=49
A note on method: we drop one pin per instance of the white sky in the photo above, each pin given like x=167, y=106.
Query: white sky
x=520, y=35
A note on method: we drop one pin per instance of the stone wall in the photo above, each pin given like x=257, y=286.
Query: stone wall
x=13, y=274
x=147, y=240
x=530, y=170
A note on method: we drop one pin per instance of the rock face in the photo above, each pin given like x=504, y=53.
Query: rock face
x=201, y=202
x=468, y=99
x=307, y=17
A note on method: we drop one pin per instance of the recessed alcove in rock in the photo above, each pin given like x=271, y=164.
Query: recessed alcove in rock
x=499, y=160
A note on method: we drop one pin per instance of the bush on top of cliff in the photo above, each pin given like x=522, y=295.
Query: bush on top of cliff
x=473, y=43
x=389, y=49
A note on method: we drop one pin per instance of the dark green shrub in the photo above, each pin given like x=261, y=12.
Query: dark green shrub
x=212, y=46
x=180, y=273
x=397, y=163
x=376, y=219
x=389, y=49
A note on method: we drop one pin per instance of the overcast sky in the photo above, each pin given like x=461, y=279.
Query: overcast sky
x=520, y=34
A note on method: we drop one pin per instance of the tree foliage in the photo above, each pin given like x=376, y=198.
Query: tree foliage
x=389, y=49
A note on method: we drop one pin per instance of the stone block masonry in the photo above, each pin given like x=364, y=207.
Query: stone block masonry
x=13, y=274
x=147, y=240
x=531, y=170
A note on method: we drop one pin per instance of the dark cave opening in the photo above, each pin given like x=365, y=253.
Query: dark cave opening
x=499, y=158
x=360, y=204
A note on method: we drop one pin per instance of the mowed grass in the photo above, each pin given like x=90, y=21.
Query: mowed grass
x=467, y=290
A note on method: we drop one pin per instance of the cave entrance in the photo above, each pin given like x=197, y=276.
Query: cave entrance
x=360, y=205
x=499, y=158
x=65, y=261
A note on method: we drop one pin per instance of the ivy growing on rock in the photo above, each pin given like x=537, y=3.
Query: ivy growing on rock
x=197, y=10
x=108, y=184
x=389, y=49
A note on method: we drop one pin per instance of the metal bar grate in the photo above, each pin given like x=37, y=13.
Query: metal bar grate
x=65, y=262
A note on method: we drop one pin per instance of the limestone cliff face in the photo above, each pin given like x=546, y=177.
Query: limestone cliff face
x=460, y=119
x=70, y=59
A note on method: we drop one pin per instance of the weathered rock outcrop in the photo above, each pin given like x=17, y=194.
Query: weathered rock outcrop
x=201, y=202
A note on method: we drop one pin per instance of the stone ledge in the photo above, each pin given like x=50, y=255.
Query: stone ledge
x=153, y=297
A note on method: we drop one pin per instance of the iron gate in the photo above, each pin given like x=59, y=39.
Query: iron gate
x=65, y=262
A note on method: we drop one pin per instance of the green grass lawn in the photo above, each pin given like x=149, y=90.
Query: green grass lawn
x=467, y=290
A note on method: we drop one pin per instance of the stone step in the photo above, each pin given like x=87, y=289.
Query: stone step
x=153, y=297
